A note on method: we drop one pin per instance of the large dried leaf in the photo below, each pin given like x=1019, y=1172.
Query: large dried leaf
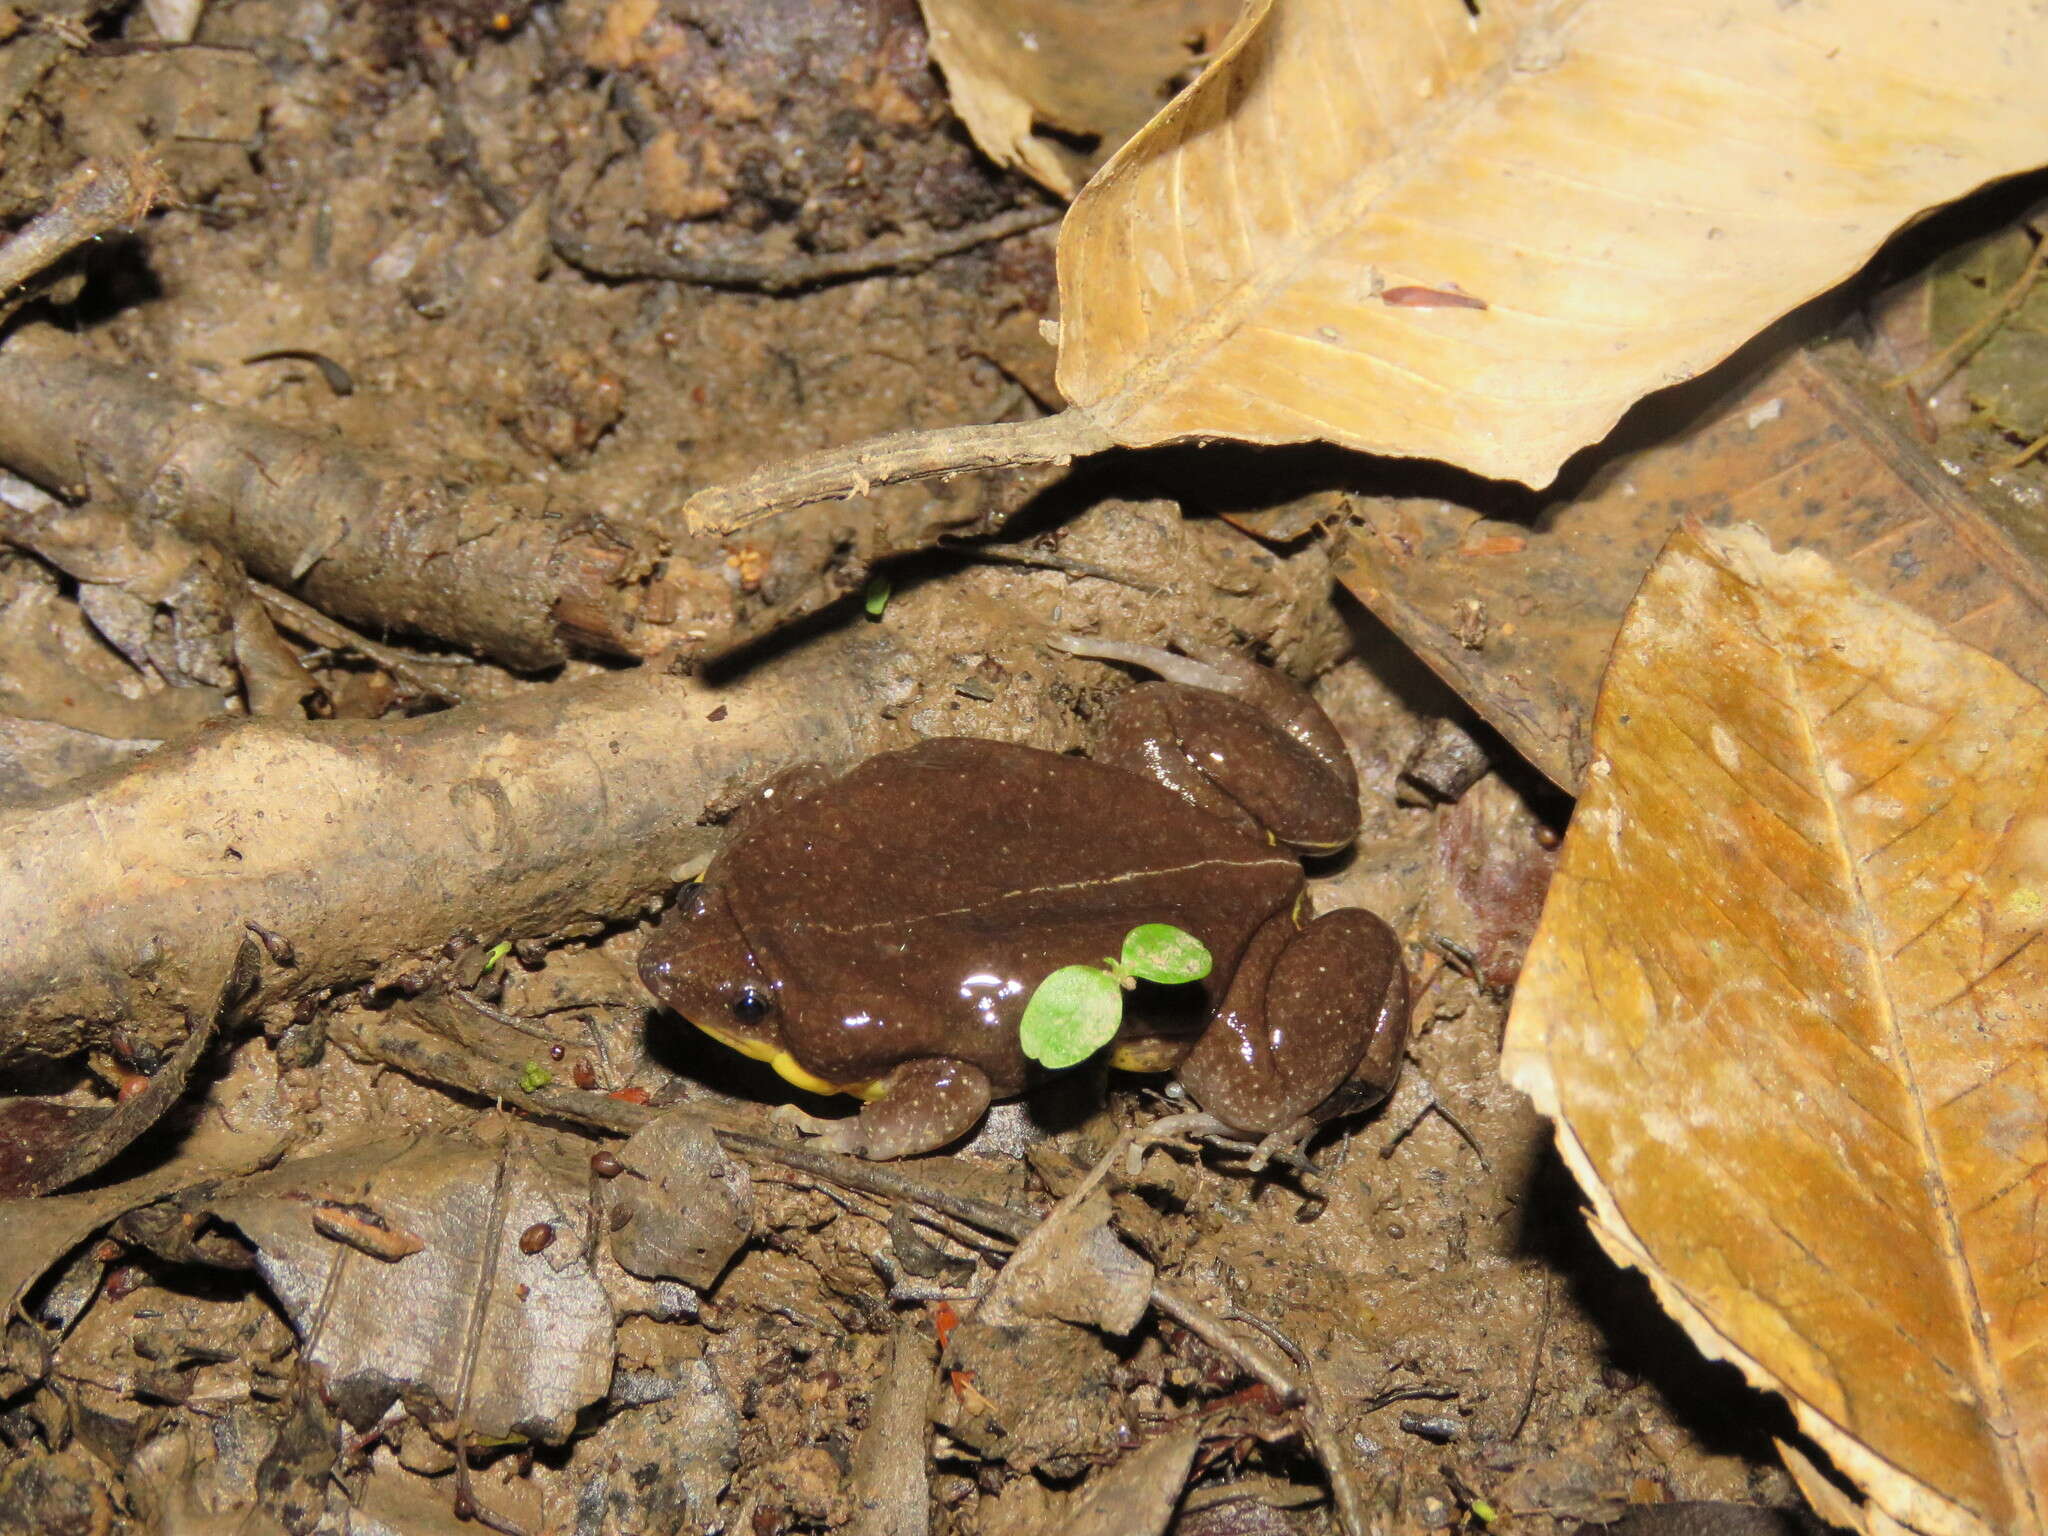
x=1786, y=1008
x=1095, y=72
x=1631, y=191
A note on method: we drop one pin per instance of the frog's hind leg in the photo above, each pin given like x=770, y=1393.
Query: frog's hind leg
x=1313, y=1026
x=1234, y=739
x=1276, y=696
x=918, y=1107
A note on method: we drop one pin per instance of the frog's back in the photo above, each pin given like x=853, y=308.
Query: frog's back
x=922, y=894
x=956, y=825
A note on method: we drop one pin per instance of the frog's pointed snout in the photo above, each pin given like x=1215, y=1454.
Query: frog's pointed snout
x=657, y=970
x=694, y=955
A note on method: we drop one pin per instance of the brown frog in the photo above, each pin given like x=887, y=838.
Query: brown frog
x=879, y=933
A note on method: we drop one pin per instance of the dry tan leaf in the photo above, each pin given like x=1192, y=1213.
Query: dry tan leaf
x=1095, y=72
x=1786, y=1008
x=1289, y=251
x=1073, y=1267
x=1138, y=1495
x=687, y=1208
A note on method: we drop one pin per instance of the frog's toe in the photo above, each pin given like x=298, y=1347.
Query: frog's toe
x=922, y=1105
x=1284, y=1147
x=788, y=1120
x=842, y=1136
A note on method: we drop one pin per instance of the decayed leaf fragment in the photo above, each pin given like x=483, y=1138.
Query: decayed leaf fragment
x=1631, y=193
x=446, y=1310
x=1094, y=71
x=1786, y=1007
x=1807, y=454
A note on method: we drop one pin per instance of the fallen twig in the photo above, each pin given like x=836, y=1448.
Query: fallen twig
x=95, y=200
x=1325, y=1435
x=890, y=1492
x=1040, y=560
x=553, y=811
x=467, y=1505
x=858, y=468
x=783, y=274
x=1935, y=370
x=1434, y=1106
x=317, y=626
x=462, y=145
x=1535, y=1373
x=880, y=1179
x=2027, y=454
x=412, y=1050
x=497, y=570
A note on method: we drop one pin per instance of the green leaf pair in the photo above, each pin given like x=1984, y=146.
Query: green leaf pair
x=1076, y=1010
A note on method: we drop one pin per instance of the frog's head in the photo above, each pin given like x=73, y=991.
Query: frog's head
x=700, y=964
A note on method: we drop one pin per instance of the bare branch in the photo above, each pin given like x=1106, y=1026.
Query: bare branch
x=380, y=545
x=554, y=811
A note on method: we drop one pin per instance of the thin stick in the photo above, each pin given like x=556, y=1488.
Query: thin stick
x=2031, y=451
x=782, y=274
x=858, y=468
x=96, y=199
x=462, y=145
x=1535, y=1358
x=876, y=1179
x=467, y=1505
x=997, y=554
x=1251, y=1356
x=315, y=625
x=1435, y=1106
x=1321, y=1427
x=1938, y=367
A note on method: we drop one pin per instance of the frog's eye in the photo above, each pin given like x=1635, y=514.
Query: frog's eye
x=751, y=1004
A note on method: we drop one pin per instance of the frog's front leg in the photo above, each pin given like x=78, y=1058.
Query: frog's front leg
x=918, y=1107
x=1313, y=1025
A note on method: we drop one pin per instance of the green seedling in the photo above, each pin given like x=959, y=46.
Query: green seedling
x=1076, y=1010
x=495, y=953
x=876, y=598
x=533, y=1077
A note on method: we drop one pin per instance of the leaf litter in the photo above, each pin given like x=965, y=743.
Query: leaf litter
x=1516, y=601
x=473, y=1330
x=1480, y=234
x=1413, y=1237
x=1093, y=74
